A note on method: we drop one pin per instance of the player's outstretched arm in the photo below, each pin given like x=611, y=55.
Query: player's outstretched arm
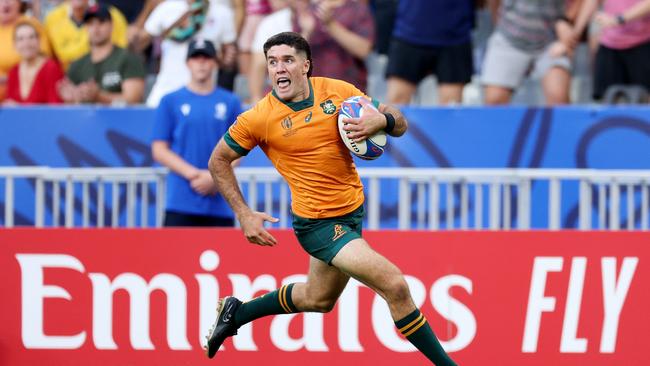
x=252, y=222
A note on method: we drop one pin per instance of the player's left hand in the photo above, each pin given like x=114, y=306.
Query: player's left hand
x=203, y=184
x=367, y=125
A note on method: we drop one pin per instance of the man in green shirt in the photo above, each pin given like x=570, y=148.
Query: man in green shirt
x=107, y=74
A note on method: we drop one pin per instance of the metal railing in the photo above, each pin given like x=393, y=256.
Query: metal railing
x=403, y=198
x=494, y=199
x=116, y=193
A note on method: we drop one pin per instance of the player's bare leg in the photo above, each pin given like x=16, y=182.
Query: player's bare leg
x=323, y=287
x=361, y=262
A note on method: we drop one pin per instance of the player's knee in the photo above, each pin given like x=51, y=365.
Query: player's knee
x=325, y=306
x=397, y=289
x=321, y=305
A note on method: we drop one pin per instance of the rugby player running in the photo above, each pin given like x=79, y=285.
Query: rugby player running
x=296, y=127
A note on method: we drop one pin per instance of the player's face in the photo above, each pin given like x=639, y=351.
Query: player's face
x=288, y=73
x=201, y=67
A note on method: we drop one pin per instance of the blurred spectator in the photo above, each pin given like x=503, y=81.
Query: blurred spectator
x=384, y=13
x=227, y=71
x=341, y=34
x=35, y=79
x=623, y=56
x=278, y=21
x=40, y=8
x=108, y=74
x=10, y=15
x=431, y=36
x=178, y=22
x=531, y=37
x=69, y=37
x=255, y=11
x=188, y=124
x=136, y=13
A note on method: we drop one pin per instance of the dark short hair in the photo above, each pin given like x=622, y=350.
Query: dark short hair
x=294, y=40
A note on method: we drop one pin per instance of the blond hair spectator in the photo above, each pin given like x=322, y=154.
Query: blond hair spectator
x=35, y=79
x=10, y=15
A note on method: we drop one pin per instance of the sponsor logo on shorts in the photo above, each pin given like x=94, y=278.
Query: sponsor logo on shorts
x=338, y=232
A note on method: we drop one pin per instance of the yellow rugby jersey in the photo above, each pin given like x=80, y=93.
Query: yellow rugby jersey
x=302, y=141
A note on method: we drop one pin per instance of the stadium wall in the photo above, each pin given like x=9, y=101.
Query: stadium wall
x=524, y=137
x=147, y=297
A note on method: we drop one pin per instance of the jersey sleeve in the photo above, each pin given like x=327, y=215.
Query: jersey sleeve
x=241, y=136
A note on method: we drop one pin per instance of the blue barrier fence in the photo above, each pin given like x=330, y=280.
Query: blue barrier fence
x=565, y=137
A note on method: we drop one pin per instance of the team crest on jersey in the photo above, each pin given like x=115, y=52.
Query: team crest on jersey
x=338, y=232
x=328, y=107
x=308, y=118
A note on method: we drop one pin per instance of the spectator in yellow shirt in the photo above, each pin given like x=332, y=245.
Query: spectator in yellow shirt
x=69, y=37
x=10, y=15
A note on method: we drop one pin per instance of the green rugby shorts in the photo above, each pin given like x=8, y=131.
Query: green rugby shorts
x=324, y=238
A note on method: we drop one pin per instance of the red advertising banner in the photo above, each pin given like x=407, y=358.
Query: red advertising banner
x=147, y=297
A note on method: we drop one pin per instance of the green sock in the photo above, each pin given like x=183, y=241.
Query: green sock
x=275, y=302
x=416, y=329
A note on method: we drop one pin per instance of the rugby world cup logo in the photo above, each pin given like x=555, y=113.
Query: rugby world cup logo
x=286, y=123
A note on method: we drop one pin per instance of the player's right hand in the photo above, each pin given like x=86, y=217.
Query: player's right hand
x=253, y=227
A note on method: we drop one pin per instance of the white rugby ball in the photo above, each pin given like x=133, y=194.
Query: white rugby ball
x=370, y=148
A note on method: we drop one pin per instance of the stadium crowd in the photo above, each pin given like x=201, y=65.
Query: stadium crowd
x=119, y=52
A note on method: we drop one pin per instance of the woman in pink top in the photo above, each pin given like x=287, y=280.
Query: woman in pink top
x=35, y=79
x=623, y=56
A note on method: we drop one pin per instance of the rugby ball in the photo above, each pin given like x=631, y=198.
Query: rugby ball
x=370, y=148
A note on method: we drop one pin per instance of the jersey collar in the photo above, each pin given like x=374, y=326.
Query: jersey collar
x=303, y=104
